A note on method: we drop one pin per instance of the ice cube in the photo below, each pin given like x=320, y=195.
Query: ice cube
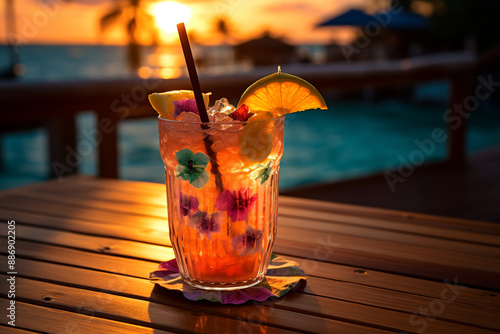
x=186, y=116
x=220, y=110
x=224, y=119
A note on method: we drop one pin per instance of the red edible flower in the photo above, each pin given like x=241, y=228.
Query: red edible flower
x=241, y=114
x=236, y=203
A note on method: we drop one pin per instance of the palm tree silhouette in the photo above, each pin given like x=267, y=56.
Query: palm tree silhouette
x=223, y=27
x=135, y=19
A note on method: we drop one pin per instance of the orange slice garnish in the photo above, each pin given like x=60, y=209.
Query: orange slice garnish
x=282, y=93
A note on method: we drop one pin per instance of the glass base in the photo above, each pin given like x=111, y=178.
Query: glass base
x=223, y=286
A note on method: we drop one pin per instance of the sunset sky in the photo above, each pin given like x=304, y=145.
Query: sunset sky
x=76, y=22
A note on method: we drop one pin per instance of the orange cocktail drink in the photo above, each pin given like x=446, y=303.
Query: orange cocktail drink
x=222, y=177
x=222, y=218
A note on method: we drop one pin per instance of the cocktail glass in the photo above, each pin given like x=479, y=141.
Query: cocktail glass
x=222, y=198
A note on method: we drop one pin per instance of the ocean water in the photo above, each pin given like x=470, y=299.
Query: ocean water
x=353, y=138
x=60, y=62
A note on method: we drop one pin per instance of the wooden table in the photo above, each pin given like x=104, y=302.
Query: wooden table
x=85, y=247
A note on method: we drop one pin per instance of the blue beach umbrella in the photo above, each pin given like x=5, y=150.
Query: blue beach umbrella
x=401, y=20
x=353, y=17
x=391, y=20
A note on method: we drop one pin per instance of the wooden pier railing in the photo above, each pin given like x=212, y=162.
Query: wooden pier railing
x=55, y=104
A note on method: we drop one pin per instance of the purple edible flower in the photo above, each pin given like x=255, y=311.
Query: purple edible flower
x=236, y=203
x=188, y=105
x=187, y=204
x=248, y=242
x=206, y=223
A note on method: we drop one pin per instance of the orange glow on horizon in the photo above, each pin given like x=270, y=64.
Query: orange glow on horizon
x=77, y=22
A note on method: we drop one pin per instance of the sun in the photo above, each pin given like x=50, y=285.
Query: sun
x=168, y=13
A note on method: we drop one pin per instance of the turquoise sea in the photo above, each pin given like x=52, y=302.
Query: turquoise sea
x=355, y=137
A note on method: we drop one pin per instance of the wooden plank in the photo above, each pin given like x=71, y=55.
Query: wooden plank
x=13, y=330
x=73, y=178
x=391, y=215
x=341, y=244
x=285, y=221
x=262, y=313
x=476, y=297
x=393, y=300
x=130, y=310
x=141, y=312
x=89, y=214
x=119, y=185
x=322, y=221
x=373, y=222
x=141, y=192
x=154, y=190
x=380, y=256
x=157, y=191
x=394, y=249
x=137, y=233
x=414, y=268
x=381, y=298
x=409, y=226
x=363, y=314
x=402, y=255
x=95, y=263
x=474, y=249
x=138, y=268
x=126, y=248
x=77, y=258
x=73, y=199
x=88, y=191
x=49, y=320
x=308, y=305
x=479, y=298
x=392, y=257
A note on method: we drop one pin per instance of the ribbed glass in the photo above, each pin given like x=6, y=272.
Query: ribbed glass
x=222, y=229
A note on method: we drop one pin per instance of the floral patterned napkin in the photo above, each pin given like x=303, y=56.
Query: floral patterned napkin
x=281, y=277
